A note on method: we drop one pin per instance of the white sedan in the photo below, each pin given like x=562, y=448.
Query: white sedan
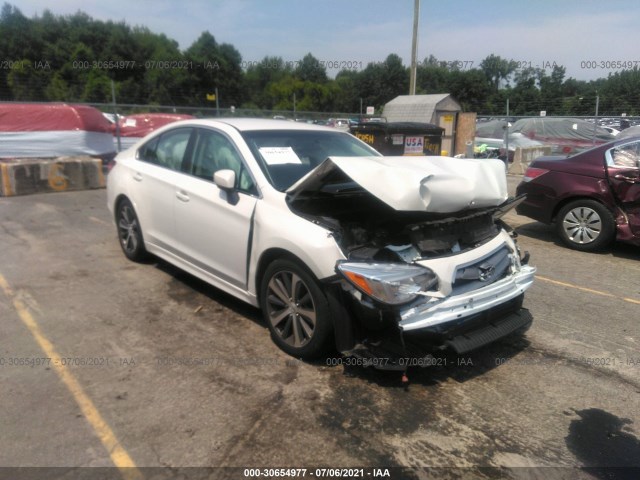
x=385, y=258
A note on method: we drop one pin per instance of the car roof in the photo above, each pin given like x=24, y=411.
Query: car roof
x=252, y=124
x=624, y=140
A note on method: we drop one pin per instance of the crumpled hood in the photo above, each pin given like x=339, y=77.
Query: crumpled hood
x=422, y=184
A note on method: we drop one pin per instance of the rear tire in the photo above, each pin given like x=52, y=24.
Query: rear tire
x=586, y=225
x=130, y=232
x=296, y=310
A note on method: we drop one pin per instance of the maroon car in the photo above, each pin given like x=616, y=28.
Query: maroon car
x=593, y=197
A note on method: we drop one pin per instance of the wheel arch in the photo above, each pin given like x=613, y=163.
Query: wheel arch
x=268, y=257
x=116, y=204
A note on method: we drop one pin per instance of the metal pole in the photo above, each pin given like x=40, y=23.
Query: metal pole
x=115, y=114
x=595, y=120
x=506, y=136
x=294, y=106
x=414, y=48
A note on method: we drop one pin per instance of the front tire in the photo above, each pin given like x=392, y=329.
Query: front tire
x=586, y=225
x=296, y=310
x=129, y=232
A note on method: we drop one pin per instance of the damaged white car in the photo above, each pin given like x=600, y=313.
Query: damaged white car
x=379, y=257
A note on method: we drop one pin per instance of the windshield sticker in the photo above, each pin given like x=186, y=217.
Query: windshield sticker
x=279, y=155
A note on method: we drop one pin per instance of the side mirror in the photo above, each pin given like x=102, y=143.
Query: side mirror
x=225, y=179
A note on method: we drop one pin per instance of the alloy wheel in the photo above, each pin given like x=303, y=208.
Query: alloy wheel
x=128, y=229
x=290, y=308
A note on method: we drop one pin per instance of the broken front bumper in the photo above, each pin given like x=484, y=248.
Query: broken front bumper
x=455, y=309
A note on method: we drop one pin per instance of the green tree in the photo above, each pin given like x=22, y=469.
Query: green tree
x=498, y=70
x=214, y=66
x=432, y=76
x=26, y=82
x=382, y=82
x=259, y=76
x=620, y=93
x=347, y=98
x=311, y=70
x=97, y=89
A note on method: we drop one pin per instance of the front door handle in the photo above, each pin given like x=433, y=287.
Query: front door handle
x=182, y=196
x=137, y=177
x=626, y=179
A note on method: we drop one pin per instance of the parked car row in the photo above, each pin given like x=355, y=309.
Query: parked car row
x=565, y=136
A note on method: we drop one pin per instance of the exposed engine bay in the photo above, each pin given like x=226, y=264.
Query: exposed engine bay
x=368, y=229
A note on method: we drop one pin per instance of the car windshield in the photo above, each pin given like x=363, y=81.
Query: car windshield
x=285, y=156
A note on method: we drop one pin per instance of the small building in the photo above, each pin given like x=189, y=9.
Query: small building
x=439, y=109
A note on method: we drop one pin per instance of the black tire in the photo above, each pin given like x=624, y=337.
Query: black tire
x=129, y=232
x=296, y=310
x=586, y=225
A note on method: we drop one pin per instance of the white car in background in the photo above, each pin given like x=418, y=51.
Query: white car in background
x=383, y=257
x=339, y=123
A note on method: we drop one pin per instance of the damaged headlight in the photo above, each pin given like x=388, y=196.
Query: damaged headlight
x=391, y=283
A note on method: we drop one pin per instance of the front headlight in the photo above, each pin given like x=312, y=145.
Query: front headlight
x=392, y=283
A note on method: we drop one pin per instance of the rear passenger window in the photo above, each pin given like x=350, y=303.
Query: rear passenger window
x=148, y=151
x=167, y=150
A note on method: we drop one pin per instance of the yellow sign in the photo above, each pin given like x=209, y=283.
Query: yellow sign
x=447, y=118
x=432, y=147
x=366, y=137
x=211, y=97
x=57, y=179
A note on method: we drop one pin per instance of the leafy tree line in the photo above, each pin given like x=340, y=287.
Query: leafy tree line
x=75, y=58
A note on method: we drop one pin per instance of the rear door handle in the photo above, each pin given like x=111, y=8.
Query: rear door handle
x=182, y=196
x=137, y=177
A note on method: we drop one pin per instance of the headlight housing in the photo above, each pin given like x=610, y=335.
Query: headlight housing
x=390, y=283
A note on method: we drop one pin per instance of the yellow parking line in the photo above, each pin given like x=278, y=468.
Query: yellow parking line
x=6, y=181
x=118, y=454
x=589, y=290
x=97, y=220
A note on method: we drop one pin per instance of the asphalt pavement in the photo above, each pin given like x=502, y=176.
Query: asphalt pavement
x=104, y=362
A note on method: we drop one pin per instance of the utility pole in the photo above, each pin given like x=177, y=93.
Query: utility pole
x=595, y=120
x=506, y=138
x=115, y=114
x=414, y=48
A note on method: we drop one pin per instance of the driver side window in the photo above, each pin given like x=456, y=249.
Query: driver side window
x=212, y=152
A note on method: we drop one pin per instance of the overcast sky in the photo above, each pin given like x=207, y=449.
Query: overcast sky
x=533, y=32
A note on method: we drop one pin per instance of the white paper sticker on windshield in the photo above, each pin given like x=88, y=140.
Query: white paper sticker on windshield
x=279, y=155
